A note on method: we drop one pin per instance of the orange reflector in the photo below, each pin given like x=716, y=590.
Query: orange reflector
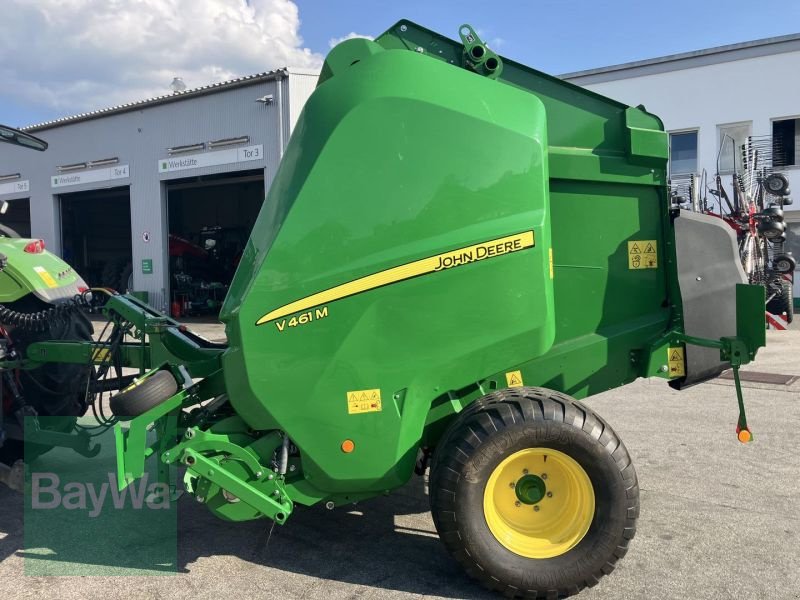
x=745, y=436
x=348, y=446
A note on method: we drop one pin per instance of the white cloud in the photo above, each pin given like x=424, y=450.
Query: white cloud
x=77, y=55
x=336, y=41
x=495, y=43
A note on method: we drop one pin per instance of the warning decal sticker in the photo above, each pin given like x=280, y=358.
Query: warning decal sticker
x=642, y=254
x=100, y=355
x=514, y=379
x=363, y=401
x=675, y=362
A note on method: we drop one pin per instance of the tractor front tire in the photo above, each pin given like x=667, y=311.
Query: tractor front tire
x=534, y=494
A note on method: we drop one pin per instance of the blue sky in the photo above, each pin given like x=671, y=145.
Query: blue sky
x=79, y=62
x=559, y=36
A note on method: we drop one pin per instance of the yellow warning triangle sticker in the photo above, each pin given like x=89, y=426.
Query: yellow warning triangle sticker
x=635, y=249
x=514, y=380
x=675, y=356
x=649, y=248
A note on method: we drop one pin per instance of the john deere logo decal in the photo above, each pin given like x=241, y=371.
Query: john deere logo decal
x=425, y=266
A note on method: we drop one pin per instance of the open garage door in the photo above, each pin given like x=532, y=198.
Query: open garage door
x=210, y=220
x=18, y=217
x=96, y=236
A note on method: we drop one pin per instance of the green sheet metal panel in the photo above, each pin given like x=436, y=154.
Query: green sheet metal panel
x=395, y=161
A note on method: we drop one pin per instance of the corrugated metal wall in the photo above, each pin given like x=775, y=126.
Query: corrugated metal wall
x=302, y=83
x=140, y=139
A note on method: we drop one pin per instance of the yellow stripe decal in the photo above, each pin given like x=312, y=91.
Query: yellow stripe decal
x=46, y=277
x=425, y=266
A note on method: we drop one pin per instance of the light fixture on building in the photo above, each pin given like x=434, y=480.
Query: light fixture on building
x=177, y=86
x=73, y=167
x=9, y=177
x=188, y=148
x=229, y=141
x=265, y=100
x=103, y=162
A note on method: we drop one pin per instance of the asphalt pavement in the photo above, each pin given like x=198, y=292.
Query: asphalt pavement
x=718, y=519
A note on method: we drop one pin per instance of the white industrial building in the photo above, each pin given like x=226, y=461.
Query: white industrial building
x=709, y=96
x=130, y=195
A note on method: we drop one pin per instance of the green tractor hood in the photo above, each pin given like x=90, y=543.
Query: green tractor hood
x=27, y=268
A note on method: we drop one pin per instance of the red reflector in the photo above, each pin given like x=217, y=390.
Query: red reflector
x=82, y=288
x=35, y=247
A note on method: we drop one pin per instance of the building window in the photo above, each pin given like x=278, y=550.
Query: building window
x=683, y=152
x=785, y=142
x=731, y=139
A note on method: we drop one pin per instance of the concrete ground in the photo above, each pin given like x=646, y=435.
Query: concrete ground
x=718, y=519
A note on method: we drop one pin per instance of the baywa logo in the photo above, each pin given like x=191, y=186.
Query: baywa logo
x=48, y=493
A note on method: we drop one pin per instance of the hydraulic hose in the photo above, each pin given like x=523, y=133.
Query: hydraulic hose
x=40, y=320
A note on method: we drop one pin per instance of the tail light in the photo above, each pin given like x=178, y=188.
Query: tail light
x=34, y=247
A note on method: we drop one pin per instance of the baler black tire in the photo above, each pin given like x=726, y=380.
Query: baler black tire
x=495, y=428
x=144, y=394
x=784, y=302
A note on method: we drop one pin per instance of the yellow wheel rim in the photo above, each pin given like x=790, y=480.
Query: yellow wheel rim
x=539, y=503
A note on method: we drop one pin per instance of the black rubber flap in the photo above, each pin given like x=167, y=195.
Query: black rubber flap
x=709, y=269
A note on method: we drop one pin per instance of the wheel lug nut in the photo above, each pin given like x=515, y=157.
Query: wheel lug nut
x=524, y=471
x=516, y=503
x=536, y=508
x=544, y=475
x=512, y=484
x=549, y=494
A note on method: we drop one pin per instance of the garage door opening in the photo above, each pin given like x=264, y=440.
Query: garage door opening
x=96, y=236
x=18, y=217
x=210, y=220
